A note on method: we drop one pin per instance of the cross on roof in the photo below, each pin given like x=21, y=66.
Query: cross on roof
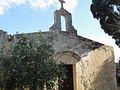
x=61, y=1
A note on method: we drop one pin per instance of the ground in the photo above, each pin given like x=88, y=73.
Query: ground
x=118, y=88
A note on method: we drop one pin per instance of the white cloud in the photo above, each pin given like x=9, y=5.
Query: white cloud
x=107, y=40
x=36, y=4
x=3, y=6
x=17, y=2
x=41, y=4
x=7, y=4
x=69, y=4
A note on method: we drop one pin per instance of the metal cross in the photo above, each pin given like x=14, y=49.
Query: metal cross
x=61, y=1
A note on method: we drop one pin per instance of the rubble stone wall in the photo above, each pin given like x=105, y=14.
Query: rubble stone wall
x=93, y=62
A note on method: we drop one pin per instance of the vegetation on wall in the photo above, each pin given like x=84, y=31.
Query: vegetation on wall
x=29, y=64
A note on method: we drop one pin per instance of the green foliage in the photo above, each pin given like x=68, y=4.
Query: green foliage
x=29, y=64
x=108, y=13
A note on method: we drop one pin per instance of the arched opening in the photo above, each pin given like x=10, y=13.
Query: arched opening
x=66, y=57
x=63, y=24
x=69, y=59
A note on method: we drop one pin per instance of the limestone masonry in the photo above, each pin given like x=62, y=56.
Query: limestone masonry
x=92, y=63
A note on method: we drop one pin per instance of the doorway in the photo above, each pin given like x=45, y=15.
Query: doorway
x=68, y=83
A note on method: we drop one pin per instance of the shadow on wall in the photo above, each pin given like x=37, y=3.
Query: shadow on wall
x=105, y=78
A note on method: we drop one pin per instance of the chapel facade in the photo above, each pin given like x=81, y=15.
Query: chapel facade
x=90, y=64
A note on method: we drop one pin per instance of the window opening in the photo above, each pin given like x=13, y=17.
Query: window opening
x=63, y=24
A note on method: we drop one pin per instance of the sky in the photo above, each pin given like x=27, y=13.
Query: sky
x=24, y=16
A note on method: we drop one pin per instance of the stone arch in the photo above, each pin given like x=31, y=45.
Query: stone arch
x=57, y=21
x=68, y=19
x=69, y=59
x=66, y=57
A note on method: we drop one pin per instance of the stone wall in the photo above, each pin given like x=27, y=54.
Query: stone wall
x=96, y=71
x=93, y=63
x=73, y=43
x=3, y=36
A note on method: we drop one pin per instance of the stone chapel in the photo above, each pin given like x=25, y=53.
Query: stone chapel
x=90, y=64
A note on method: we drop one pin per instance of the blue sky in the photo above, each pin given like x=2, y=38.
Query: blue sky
x=25, y=16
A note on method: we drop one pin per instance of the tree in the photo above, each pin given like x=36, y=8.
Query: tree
x=29, y=64
x=108, y=14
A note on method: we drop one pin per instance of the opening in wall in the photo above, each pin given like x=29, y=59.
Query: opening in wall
x=68, y=83
x=63, y=24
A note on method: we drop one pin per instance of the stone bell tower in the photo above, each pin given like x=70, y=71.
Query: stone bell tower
x=68, y=20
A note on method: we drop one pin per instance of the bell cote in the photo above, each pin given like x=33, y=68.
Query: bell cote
x=68, y=20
